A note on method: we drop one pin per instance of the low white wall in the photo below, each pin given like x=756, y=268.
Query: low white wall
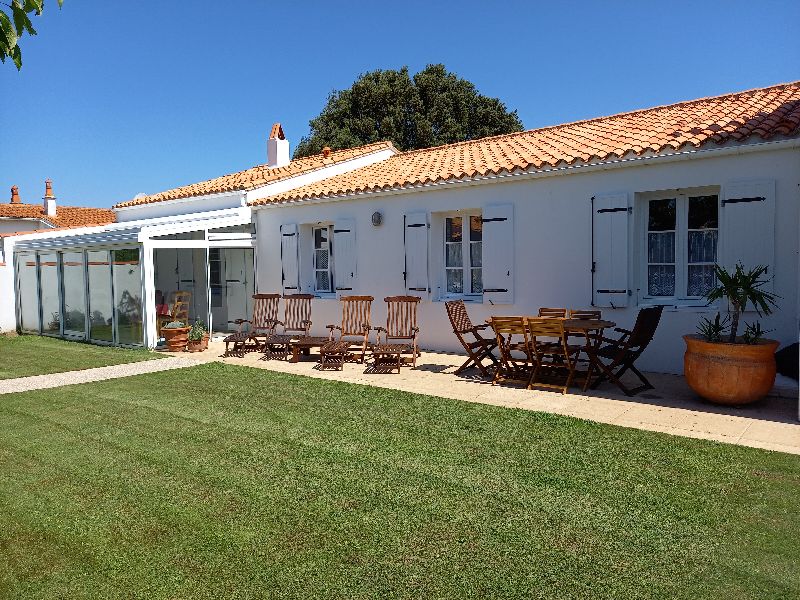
x=552, y=230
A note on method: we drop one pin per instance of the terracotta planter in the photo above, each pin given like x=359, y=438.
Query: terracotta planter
x=197, y=345
x=176, y=339
x=729, y=374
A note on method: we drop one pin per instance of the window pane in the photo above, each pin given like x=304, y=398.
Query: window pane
x=701, y=280
x=100, y=305
x=661, y=216
x=51, y=311
x=477, y=281
x=454, y=255
x=455, y=281
x=661, y=280
x=74, y=293
x=660, y=247
x=703, y=211
x=128, y=296
x=320, y=237
x=703, y=246
x=475, y=229
x=321, y=258
x=28, y=293
x=452, y=229
x=323, y=281
x=475, y=252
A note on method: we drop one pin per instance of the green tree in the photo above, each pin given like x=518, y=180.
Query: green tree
x=434, y=107
x=14, y=23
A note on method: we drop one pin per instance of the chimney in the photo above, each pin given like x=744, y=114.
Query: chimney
x=15, y=195
x=277, y=147
x=49, y=199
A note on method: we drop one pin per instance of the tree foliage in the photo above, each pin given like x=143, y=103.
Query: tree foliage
x=14, y=23
x=434, y=107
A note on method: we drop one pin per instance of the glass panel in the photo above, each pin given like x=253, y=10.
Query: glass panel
x=661, y=280
x=703, y=212
x=452, y=230
x=477, y=281
x=128, y=296
x=475, y=252
x=702, y=246
x=28, y=293
x=455, y=281
x=661, y=216
x=661, y=247
x=323, y=281
x=701, y=280
x=321, y=259
x=475, y=229
x=100, y=305
x=320, y=237
x=51, y=303
x=74, y=293
x=454, y=255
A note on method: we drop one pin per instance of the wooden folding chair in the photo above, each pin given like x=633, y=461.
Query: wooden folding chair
x=516, y=362
x=552, y=352
x=623, y=352
x=262, y=325
x=553, y=312
x=179, y=302
x=400, y=336
x=356, y=323
x=296, y=324
x=585, y=314
x=479, y=348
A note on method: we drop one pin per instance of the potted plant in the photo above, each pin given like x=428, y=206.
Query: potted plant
x=198, y=338
x=176, y=335
x=726, y=368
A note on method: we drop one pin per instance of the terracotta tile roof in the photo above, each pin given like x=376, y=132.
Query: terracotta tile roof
x=258, y=176
x=66, y=216
x=761, y=113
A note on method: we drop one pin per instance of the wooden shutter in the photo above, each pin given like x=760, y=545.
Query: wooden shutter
x=416, y=249
x=497, y=257
x=344, y=256
x=610, y=214
x=747, y=225
x=289, y=261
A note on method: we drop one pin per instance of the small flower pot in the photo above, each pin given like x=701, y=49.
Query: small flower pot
x=729, y=374
x=176, y=338
x=197, y=345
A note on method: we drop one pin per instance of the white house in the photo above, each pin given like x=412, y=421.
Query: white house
x=618, y=212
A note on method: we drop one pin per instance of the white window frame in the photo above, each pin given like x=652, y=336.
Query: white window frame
x=330, y=270
x=681, y=197
x=466, y=256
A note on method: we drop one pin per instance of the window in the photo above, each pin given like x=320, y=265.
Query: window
x=681, y=245
x=463, y=255
x=215, y=275
x=323, y=260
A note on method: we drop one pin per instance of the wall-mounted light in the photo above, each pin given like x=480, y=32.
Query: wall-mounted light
x=377, y=219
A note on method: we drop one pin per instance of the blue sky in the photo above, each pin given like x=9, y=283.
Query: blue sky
x=116, y=98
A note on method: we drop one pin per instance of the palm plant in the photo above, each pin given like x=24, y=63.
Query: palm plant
x=740, y=288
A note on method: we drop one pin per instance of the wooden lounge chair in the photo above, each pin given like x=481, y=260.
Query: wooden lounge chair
x=296, y=324
x=262, y=325
x=400, y=334
x=516, y=362
x=356, y=323
x=552, y=352
x=553, y=312
x=622, y=353
x=479, y=348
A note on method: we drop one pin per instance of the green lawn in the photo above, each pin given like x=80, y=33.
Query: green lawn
x=223, y=481
x=26, y=355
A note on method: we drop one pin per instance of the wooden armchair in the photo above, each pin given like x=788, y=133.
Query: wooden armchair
x=622, y=353
x=516, y=362
x=400, y=336
x=478, y=348
x=262, y=325
x=356, y=323
x=552, y=352
x=560, y=313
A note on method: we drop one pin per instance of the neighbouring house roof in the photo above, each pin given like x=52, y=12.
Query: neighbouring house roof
x=761, y=113
x=66, y=216
x=260, y=175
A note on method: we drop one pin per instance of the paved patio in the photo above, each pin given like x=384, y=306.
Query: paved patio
x=670, y=408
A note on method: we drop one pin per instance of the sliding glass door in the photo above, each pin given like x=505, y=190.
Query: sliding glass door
x=28, y=292
x=74, y=284
x=127, y=277
x=50, y=298
x=101, y=307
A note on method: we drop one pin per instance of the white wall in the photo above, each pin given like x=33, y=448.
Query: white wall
x=15, y=225
x=552, y=231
